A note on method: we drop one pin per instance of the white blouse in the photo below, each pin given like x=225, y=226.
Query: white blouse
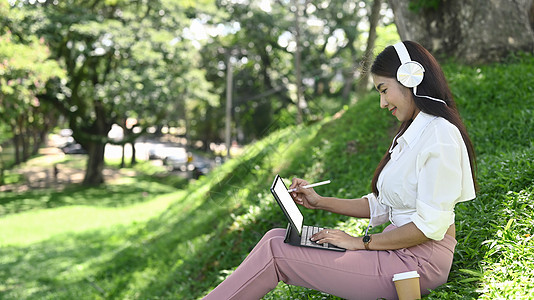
x=428, y=173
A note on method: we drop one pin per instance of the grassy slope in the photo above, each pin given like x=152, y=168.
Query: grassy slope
x=209, y=230
x=494, y=258
x=493, y=252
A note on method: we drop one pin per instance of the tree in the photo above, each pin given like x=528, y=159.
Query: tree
x=265, y=43
x=25, y=69
x=261, y=67
x=339, y=43
x=122, y=59
x=472, y=31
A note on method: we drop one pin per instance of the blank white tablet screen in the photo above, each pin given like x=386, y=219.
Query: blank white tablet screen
x=288, y=203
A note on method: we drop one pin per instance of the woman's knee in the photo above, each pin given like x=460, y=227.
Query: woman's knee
x=276, y=232
x=271, y=238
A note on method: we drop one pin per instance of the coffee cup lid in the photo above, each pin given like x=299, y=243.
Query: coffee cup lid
x=405, y=275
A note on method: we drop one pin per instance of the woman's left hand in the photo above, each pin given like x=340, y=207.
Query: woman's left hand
x=335, y=237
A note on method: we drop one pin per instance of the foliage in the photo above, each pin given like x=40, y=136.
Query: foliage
x=262, y=41
x=140, y=60
x=122, y=60
x=25, y=68
x=208, y=230
x=418, y=5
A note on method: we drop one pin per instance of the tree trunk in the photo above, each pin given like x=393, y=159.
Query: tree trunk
x=471, y=31
x=134, y=160
x=301, y=102
x=95, y=164
x=95, y=145
x=24, y=138
x=122, y=156
x=16, y=146
x=36, y=141
x=368, y=57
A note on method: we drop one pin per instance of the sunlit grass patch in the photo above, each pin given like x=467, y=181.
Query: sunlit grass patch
x=38, y=215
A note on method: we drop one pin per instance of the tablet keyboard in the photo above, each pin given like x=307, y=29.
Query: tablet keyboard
x=307, y=232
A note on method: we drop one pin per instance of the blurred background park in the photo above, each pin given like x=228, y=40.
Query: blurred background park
x=138, y=138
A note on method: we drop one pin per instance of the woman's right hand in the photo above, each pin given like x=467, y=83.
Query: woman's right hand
x=305, y=197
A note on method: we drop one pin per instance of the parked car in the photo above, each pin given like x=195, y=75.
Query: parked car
x=176, y=158
x=157, y=151
x=73, y=148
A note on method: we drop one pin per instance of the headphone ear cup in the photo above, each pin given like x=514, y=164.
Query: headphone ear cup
x=410, y=74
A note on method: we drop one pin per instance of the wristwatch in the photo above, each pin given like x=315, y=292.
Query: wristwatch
x=367, y=241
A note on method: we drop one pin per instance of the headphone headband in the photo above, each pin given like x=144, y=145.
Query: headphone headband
x=402, y=52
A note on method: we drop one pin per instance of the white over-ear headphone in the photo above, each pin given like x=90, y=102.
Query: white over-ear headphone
x=410, y=73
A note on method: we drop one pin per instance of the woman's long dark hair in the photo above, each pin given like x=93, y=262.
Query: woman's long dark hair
x=434, y=85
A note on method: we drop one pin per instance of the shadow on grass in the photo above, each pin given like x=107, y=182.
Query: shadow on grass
x=182, y=253
x=188, y=249
x=60, y=267
x=134, y=191
x=152, y=261
x=174, y=256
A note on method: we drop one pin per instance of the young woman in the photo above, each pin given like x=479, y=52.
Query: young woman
x=426, y=171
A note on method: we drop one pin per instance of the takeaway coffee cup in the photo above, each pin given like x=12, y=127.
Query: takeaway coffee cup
x=407, y=285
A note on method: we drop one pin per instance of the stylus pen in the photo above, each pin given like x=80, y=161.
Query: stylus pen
x=311, y=185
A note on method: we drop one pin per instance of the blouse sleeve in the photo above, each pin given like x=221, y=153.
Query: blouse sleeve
x=379, y=213
x=444, y=179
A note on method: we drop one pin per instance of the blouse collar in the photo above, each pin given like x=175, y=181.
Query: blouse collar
x=414, y=131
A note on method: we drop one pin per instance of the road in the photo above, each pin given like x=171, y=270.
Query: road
x=143, y=149
x=44, y=172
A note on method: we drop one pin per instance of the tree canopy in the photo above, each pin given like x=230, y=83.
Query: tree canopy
x=166, y=63
x=122, y=60
x=25, y=69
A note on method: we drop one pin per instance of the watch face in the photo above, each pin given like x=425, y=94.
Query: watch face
x=366, y=238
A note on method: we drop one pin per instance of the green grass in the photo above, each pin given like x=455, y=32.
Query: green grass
x=38, y=225
x=180, y=241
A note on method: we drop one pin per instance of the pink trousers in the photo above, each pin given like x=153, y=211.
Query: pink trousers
x=351, y=275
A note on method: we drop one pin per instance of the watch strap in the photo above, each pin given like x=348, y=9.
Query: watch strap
x=366, y=241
